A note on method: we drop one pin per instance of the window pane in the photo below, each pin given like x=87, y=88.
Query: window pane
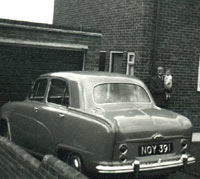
x=38, y=90
x=131, y=59
x=117, y=59
x=120, y=93
x=59, y=93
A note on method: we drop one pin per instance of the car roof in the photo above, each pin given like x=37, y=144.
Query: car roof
x=94, y=76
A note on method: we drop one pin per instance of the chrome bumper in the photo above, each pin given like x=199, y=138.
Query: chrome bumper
x=136, y=166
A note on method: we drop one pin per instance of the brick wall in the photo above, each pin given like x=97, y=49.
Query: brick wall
x=131, y=26
x=178, y=49
x=15, y=163
x=126, y=26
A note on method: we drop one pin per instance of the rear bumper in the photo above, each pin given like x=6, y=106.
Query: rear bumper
x=138, y=166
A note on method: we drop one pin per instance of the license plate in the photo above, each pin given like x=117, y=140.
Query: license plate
x=155, y=149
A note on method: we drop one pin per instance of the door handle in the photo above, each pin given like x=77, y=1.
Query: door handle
x=61, y=115
x=36, y=109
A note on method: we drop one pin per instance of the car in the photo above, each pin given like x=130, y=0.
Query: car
x=99, y=122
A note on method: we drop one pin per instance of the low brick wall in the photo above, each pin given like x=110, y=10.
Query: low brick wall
x=15, y=163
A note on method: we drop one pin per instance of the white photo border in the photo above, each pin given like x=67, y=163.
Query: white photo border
x=198, y=82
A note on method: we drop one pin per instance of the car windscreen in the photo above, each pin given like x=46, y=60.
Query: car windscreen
x=120, y=93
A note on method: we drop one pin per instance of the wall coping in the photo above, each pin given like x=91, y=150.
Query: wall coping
x=47, y=29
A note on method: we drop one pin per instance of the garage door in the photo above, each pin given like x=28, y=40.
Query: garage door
x=20, y=65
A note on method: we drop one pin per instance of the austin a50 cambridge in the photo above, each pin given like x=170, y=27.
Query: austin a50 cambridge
x=99, y=122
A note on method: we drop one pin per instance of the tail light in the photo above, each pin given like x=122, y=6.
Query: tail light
x=123, y=149
x=122, y=158
x=184, y=145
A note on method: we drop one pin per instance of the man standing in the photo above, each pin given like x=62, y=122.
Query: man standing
x=157, y=88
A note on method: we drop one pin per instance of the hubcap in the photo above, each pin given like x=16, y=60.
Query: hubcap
x=76, y=163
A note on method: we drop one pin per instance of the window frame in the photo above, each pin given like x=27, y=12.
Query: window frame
x=129, y=63
x=49, y=88
x=32, y=87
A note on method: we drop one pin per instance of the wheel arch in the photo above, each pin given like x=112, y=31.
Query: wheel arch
x=63, y=153
x=61, y=148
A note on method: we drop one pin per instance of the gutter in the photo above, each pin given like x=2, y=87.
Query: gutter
x=43, y=44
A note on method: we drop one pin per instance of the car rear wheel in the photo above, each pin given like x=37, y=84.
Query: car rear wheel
x=75, y=161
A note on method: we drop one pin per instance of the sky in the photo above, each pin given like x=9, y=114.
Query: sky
x=40, y=11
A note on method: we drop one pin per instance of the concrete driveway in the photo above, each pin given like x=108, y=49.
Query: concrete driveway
x=195, y=150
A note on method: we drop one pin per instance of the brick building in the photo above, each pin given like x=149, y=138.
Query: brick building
x=139, y=35
x=30, y=49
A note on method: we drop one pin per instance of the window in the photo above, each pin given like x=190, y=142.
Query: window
x=120, y=93
x=130, y=64
x=116, y=60
x=59, y=92
x=38, y=91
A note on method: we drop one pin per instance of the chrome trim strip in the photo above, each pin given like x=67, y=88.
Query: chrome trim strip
x=144, y=166
x=150, y=139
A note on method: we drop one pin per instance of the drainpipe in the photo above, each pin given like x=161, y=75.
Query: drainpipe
x=155, y=37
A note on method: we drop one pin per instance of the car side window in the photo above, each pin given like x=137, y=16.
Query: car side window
x=38, y=91
x=59, y=92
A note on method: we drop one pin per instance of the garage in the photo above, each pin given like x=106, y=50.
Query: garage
x=23, y=64
x=28, y=50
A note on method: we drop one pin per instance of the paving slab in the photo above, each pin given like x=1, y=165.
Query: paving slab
x=195, y=151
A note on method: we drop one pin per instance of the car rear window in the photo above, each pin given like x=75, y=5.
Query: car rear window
x=120, y=93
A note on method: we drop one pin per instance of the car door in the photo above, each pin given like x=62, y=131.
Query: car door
x=24, y=119
x=51, y=116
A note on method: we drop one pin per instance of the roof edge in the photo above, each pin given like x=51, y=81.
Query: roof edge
x=48, y=27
